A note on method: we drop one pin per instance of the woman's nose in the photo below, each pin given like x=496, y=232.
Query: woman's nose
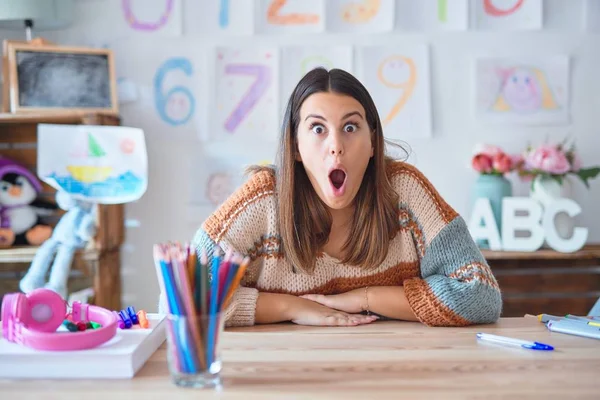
x=336, y=146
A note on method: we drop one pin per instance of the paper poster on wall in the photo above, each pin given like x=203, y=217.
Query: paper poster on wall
x=148, y=17
x=215, y=179
x=290, y=16
x=219, y=17
x=296, y=61
x=104, y=164
x=592, y=16
x=170, y=88
x=503, y=15
x=246, y=97
x=432, y=15
x=398, y=80
x=531, y=91
x=103, y=23
x=360, y=15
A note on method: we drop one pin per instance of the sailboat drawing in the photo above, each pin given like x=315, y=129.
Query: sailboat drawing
x=89, y=155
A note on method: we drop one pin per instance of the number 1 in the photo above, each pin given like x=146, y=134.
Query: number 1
x=262, y=73
x=443, y=10
x=224, y=14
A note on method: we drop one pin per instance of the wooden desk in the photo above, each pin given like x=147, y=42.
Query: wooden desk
x=546, y=281
x=381, y=360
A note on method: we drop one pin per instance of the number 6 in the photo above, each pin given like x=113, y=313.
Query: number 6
x=161, y=100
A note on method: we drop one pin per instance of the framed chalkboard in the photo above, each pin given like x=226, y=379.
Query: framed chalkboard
x=55, y=78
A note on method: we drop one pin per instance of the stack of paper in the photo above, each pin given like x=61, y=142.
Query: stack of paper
x=121, y=357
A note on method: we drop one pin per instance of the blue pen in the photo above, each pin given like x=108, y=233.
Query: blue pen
x=513, y=342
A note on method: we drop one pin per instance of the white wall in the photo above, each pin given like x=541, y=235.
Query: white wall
x=163, y=213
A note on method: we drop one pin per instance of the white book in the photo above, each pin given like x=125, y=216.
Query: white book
x=119, y=358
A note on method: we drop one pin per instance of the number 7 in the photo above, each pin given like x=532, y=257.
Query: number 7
x=262, y=73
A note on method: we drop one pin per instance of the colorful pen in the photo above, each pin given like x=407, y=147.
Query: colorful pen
x=513, y=342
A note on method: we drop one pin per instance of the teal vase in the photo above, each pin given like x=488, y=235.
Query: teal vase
x=495, y=188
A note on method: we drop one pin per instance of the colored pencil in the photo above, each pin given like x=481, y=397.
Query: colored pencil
x=197, y=284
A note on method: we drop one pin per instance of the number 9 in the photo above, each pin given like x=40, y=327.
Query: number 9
x=162, y=100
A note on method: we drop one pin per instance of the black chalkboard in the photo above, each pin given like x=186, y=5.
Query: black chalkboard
x=63, y=80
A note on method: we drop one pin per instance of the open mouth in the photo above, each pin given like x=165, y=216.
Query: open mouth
x=337, y=178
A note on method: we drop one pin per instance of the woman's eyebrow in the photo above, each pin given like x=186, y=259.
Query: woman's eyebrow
x=353, y=113
x=315, y=116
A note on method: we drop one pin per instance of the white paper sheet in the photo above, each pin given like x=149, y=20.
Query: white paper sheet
x=398, y=80
x=216, y=178
x=296, y=61
x=358, y=16
x=533, y=91
x=219, y=17
x=290, y=16
x=592, y=16
x=171, y=88
x=432, y=15
x=103, y=164
x=247, y=84
x=502, y=15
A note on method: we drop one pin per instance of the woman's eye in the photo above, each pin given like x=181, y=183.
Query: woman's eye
x=318, y=129
x=350, y=128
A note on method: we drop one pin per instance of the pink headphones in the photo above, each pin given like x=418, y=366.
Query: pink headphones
x=32, y=320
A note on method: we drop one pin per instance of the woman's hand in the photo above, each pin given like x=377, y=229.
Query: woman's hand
x=307, y=312
x=353, y=301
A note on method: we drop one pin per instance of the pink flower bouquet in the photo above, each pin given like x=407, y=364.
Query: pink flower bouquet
x=491, y=160
x=554, y=161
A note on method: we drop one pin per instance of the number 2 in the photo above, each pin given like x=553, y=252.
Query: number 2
x=262, y=73
x=275, y=18
x=161, y=100
x=491, y=9
x=146, y=26
x=408, y=86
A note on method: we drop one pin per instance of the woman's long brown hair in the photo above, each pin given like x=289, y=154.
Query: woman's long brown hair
x=304, y=220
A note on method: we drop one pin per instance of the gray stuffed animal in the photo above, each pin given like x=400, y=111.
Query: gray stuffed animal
x=75, y=228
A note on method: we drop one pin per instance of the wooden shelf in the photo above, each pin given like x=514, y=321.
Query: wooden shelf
x=100, y=263
x=547, y=281
x=54, y=117
x=591, y=251
x=25, y=254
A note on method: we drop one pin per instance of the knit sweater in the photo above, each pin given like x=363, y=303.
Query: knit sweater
x=446, y=279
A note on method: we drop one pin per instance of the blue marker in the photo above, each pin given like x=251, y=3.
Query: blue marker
x=133, y=315
x=125, y=318
x=525, y=344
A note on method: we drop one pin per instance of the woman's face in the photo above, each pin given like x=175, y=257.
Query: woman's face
x=334, y=142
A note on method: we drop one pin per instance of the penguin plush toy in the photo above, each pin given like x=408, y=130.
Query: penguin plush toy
x=20, y=211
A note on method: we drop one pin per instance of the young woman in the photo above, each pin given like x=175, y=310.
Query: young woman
x=340, y=234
